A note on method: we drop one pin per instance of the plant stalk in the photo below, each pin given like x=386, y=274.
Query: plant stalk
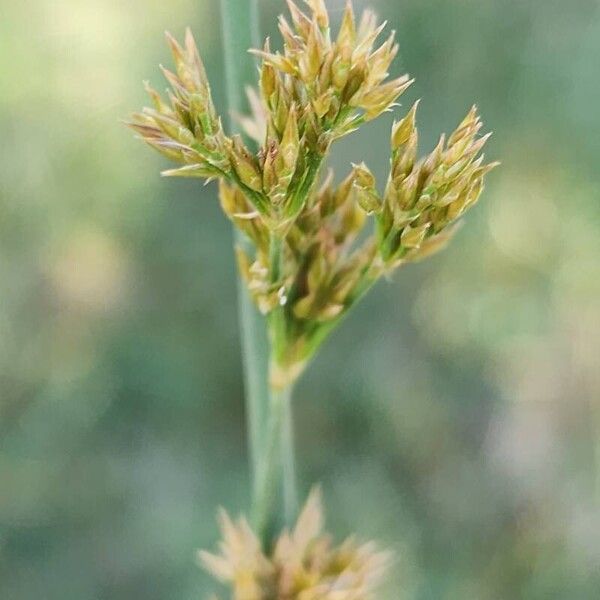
x=268, y=411
x=288, y=459
x=275, y=501
x=240, y=31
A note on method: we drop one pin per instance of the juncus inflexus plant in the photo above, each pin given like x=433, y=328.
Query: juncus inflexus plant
x=311, y=249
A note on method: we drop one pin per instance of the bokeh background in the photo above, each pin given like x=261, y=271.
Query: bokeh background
x=456, y=414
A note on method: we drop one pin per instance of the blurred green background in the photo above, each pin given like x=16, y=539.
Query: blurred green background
x=456, y=414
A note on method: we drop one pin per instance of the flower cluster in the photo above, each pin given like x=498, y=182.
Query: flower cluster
x=304, y=564
x=187, y=129
x=317, y=247
x=424, y=198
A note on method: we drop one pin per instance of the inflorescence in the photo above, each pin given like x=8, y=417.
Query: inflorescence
x=316, y=248
x=303, y=564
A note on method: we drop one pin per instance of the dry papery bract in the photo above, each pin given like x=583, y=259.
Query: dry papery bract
x=304, y=564
x=316, y=248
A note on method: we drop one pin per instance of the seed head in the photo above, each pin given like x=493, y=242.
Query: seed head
x=304, y=563
x=312, y=253
x=424, y=198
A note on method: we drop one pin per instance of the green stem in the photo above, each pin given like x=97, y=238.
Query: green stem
x=280, y=446
x=277, y=470
x=240, y=32
x=288, y=458
x=269, y=412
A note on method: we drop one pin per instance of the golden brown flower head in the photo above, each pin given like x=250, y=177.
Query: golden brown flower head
x=187, y=129
x=303, y=565
x=339, y=83
x=313, y=253
x=425, y=198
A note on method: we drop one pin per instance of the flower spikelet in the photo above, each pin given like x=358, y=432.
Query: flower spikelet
x=344, y=79
x=425, y=198
x=186, y=129
x=303, y=565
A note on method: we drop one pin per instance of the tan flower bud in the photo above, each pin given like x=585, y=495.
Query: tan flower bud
x=270, y=177
x=301, y=22
x=366, y=193
x=367, y=35
x=380, y=99
x=408, y=191
x=403, y=160
x=290, y=144
x=160, y=105
x=329, y=312
x=352, y=220
x=180, y=59
x=290, y=39
x=278, y=61
x=433, y=244
x=195, y=62
x=280, y=115
x=176, y=85
x=204, y=171
x=303, y=309
x=380, y=61
x=363, y=176
x=171, y=127
x=167, y=148
x=311, y=59
x=403, y=129
x=402, y=218
x=466, y=127
x=228, y=199
x=347, y=34
x=340, y=68
x=356, y=79
x=324, y=81
x=432, y=161
x=320, y=13
x=322, y=104
x=343, y=192
x=412, y=237
x=245, y=165
x=268, y=80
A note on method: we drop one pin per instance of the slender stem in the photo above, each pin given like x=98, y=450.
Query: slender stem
x=277, y=470
x=240, y=32
x=269, y=412
x=289, y=480
x=282, y=440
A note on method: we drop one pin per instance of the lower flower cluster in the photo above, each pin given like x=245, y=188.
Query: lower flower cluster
x=304, y=564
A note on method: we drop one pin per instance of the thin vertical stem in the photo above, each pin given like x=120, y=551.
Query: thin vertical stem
x=288, y=459
x=277, y=330
x=269, y=411
x=277, y=470
x=239, y=20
